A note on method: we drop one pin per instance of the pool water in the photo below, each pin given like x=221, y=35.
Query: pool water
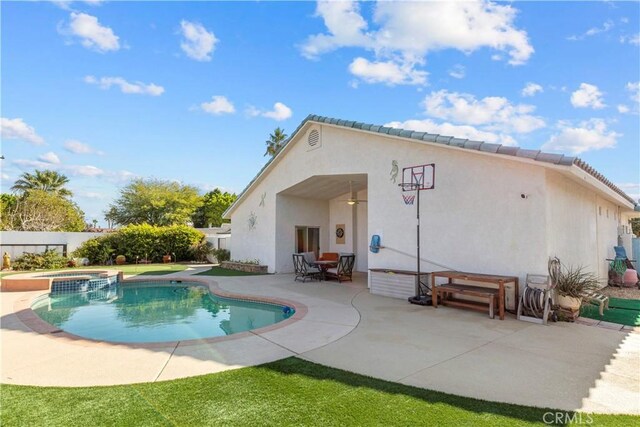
x=154, y=312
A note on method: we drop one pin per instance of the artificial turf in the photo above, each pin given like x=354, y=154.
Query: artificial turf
x=219, y=271
x=289, y=392
x=621, y=316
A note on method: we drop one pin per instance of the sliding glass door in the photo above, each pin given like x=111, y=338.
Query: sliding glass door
x=308, y=240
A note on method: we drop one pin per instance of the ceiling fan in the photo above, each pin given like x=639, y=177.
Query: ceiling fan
x=353, y=197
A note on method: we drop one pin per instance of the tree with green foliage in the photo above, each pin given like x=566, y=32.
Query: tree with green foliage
x=155, y=202
x=7, y=204
x=275, y=142
x=46, y=180
x=214, y=203
x=635, y=226
x=39, y=210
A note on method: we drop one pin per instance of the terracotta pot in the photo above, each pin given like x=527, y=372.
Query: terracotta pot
x=166, y=258
x=569, y=303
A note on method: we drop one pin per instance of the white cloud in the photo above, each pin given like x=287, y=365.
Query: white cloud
x=280, y=112
x=530, y=89
x=218, y=105
x=125, y=86
x=587, y=96
x=50, y=157
x=92, y=34
x=589, y=135
x=458, y=131
x=633, y=39
x=89, y=195
x=198, y=43
x=457, y=71
x=623, y=109
x=345, y=27
x=634, y=88
x=66, y=4
x=407, y=31
x=606, y=26
x=18, y=129
x=74, y=170
x=494, y=113
x=77, y=147
x=388, y=72
x=631, y=188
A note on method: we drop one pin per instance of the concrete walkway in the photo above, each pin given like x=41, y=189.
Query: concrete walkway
x=564, y=366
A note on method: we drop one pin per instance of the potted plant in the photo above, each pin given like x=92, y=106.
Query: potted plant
x=572, y=284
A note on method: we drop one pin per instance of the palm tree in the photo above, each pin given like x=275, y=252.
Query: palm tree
x=275, y=142
x=47, y=180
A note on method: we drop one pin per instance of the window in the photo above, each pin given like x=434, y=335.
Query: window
x=307, y=240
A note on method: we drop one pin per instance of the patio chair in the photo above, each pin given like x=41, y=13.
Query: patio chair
x=329, y=256
x=303, y=270
x=344, y=270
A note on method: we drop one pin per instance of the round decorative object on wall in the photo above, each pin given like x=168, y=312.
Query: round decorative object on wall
x=339, y=232
x=314, y=138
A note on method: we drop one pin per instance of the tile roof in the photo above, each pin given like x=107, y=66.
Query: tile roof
x=537, y=155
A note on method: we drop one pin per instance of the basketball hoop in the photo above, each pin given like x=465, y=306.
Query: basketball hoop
x=408, y=199
x=418, y=178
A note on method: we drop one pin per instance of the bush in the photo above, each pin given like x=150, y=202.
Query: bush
x=98, y=250
x=142, y=242
x=201, y=250
x=48, y=260
x=221, y=254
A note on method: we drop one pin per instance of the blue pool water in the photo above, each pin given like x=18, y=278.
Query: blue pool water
x=154, y=312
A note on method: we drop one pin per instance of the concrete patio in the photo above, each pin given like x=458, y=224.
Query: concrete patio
x=564, y=366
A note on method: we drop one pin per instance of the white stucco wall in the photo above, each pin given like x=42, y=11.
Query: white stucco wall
x=475, y=219
x=582, y=227
x=296, y=211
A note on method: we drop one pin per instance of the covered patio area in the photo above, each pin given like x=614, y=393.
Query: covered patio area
x=323, y=213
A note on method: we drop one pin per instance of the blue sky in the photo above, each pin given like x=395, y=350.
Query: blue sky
x=189, y=91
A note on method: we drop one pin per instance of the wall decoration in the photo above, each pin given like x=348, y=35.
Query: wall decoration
x=262, y=197
x=340, y=234
x=394, y=171
x=252, y=221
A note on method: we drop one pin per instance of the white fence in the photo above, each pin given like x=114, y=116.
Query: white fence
x=18, y=242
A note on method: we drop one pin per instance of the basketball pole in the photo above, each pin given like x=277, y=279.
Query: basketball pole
x=418, y=240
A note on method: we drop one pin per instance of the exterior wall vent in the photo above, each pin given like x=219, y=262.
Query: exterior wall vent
x=314, y=139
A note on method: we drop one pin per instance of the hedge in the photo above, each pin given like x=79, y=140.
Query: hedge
x=144, y=242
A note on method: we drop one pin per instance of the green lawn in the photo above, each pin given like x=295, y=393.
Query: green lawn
x=139, y=269
x=290, y=392
x=219, y=271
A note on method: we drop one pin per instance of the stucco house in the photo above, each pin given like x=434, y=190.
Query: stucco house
x=495, y=209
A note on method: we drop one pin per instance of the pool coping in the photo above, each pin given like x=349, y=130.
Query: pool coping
x=22, y=309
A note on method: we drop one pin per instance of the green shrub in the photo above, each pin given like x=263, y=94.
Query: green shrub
x=48, y=260
x=201, y=250
x=142, y=242
x=222, y=254
x=98, y=250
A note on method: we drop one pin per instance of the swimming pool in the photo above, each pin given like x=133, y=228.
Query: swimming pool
x=154, y=312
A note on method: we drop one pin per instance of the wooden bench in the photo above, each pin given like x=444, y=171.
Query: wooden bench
x=447, y=290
